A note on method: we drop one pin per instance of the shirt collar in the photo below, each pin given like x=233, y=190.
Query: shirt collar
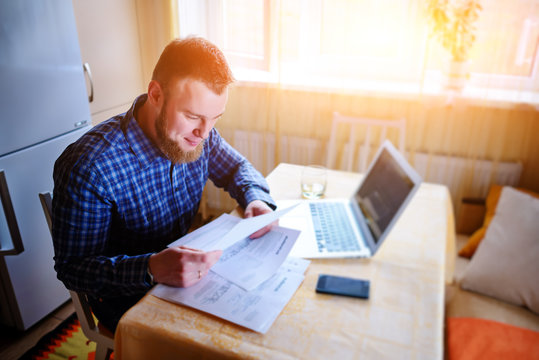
x=143, y=148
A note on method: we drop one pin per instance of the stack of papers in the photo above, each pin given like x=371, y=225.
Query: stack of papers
x=252, y=281
x=255, y=310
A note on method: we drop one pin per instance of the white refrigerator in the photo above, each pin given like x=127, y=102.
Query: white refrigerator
x=43, y=108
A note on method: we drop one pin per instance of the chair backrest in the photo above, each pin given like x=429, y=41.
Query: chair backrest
x=103, y=337
x=368, y=124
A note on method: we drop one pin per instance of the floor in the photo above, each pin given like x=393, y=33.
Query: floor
x=14, y=343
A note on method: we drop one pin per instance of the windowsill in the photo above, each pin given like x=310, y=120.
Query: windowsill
x=431, y=91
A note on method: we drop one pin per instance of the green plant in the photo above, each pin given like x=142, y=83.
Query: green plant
x=452, y=23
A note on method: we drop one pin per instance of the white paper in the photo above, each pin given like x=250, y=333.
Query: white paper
x=248, y=226
x=252, y=281
x=226, y=230
x=206, y=237
x=245, y=262
x=255, y=310
x=295, y=264
x=250, y=262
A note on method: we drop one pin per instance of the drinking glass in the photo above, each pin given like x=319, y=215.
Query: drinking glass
x=313, y=181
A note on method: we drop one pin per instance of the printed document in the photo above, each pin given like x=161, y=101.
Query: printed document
x=255, y=310
x=246, y=262
x=254, y=278
x=226, y=230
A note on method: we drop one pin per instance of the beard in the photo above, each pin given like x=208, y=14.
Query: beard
x=169, y=147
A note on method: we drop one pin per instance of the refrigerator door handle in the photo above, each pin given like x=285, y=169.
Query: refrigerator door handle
x=87, y=70
x=12, y=244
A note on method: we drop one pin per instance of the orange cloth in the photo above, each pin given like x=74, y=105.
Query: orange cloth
x=472, y=338
x=492, y=201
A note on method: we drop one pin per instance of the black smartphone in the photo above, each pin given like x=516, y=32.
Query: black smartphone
x=339, y=285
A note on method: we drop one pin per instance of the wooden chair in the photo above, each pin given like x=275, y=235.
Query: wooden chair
x=103, y=337
x=369, y=125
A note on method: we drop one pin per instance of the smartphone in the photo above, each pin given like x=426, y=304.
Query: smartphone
x=345, y=286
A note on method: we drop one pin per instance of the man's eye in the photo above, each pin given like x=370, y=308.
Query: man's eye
x=192, y=117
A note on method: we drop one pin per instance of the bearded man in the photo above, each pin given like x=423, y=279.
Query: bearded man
x=133, y=184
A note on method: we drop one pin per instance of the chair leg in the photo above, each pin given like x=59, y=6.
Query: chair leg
x=102, y=352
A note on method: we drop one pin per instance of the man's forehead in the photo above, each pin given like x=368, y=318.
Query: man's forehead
x=197, y=98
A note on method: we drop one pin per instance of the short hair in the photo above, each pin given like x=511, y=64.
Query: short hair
x=193, y=57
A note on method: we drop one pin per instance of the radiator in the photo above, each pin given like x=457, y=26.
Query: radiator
x=464, y=177
x=258, y=148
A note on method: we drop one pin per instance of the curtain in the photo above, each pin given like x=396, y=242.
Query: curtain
x=157, y=22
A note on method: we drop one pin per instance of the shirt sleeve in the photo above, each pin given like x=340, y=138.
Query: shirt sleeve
x=230, y=170
x=82, y=215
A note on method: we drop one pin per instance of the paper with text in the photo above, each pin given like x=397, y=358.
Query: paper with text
x=226, y=230
x=248, y=262
x=207, y=237
x=255, y=310
x=248, y=226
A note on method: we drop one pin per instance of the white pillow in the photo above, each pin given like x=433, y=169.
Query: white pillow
x=506, y=263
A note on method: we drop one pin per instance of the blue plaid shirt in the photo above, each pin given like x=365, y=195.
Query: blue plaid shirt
x=117, y=199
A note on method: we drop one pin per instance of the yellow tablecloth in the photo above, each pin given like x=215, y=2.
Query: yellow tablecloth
x=403, y=319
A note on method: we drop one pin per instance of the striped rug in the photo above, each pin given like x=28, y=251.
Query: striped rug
x=65, y=342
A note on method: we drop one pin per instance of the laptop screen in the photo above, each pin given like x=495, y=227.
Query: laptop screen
x=382, y=193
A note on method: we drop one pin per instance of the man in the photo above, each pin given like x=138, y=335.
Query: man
x=133, y=184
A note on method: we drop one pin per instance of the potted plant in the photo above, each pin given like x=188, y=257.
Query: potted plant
x=452, y=24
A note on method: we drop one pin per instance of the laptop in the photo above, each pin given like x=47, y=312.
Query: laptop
x=357, y=226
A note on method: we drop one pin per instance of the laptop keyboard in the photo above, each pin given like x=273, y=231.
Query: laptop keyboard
x=332, y=228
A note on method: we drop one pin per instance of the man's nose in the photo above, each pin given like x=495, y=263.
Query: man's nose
x=203, y=129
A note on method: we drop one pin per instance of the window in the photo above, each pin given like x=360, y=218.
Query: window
x=508, y=31
x=379, y=40
x=505, y=54
x=239, y=27
x=354, y=42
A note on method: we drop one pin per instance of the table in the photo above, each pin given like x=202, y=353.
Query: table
x=403, y=319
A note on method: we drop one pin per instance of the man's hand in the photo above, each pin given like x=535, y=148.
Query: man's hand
x=255, y=208
x=181, y=266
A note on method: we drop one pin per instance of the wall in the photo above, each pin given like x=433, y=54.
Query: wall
x=476, y=129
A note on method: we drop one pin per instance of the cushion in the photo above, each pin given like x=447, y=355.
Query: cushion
x=471, y=215
x=505, y=265
x=493, y=196
x=469, y=338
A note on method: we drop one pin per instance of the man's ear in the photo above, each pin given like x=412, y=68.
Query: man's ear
x=155, y=94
